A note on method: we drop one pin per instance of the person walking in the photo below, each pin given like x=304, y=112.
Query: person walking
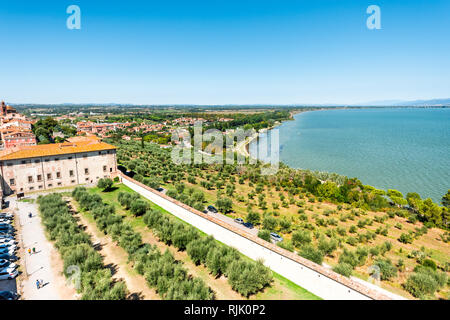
x=29, y=251
x=34, y=250
x=38, y=284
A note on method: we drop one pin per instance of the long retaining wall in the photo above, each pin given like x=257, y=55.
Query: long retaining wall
x=317, y=279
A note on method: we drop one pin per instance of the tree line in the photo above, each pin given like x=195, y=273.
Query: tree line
x=161, y=270
x=76, y=249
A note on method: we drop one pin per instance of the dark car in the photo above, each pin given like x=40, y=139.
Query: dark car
x=160, y=189
x=8, y=257
x=248, y=225
x=212, y=209
x=8, y=295
x=205, y=211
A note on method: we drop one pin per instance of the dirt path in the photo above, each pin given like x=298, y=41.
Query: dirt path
x=220, y=286
x=116, y=258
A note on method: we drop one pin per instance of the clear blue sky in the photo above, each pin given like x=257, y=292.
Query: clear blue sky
x=224, y=52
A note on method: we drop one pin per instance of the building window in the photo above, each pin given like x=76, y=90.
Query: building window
x=12, y=182
x=47, y=160
x=40, y=187
x=59, y=183
x=70, y=158
x=104, y=168
x=71, y=173
x=85, y=155
x=73, y=181
x=110, y=169
x=30, y=179
x=50, y=185
x=86, y=171
x=23, y=162
x=39, y=177
x=49, y=176
x=37, y=161
x=58, y=175
x=10, y=164
x=56, y=159
x=31, y=188
x=87, y=179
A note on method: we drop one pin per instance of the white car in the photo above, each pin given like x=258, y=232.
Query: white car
x=7, y=264
x=7, y=240
x=5, y=221
x=7, y=243
x=8, y=273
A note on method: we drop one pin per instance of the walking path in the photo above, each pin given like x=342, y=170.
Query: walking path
x=45, y=264
x=116, y=259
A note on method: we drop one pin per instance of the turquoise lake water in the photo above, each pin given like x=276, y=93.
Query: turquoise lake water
x=407, y=149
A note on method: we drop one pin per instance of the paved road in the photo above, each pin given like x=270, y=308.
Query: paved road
x=37, y=265
x=229, y=220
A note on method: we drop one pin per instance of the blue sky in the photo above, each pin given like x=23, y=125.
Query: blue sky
x=224, y=52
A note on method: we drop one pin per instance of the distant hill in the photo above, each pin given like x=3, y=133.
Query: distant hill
x=415, y=103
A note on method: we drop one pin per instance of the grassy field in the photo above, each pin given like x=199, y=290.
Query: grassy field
x=281, y=288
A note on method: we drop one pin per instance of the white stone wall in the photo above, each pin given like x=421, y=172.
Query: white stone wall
x=303, y=276
x=77, y=163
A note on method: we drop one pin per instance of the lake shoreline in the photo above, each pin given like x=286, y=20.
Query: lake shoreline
x=396, y=178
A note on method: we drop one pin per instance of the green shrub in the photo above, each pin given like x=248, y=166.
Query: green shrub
x=311, y=253
x=387, y=269
x=343, y=268
x=264, y=234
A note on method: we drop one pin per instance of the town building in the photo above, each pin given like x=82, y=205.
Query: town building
x=42, y=167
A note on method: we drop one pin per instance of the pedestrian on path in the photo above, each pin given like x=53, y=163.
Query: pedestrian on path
x=38, y=284
x=29, y=251
x=34, y=250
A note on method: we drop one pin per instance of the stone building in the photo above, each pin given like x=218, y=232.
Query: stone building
x=42, y=167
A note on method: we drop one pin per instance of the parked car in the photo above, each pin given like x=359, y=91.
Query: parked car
x=212, y=209
x=8, y=240
x=7, y=264
x=9, y=217
x=7, y=250
x=7, y=233
x=160, y=189
x=239, y=220
x=7, y=273
x=205, y=211
x=275, y=237
x=8, y=295
x=7, y=243
x=248, y=225
x=7, y=256
x=6, y=227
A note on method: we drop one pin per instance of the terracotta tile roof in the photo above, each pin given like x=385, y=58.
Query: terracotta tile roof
x=87, y=145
